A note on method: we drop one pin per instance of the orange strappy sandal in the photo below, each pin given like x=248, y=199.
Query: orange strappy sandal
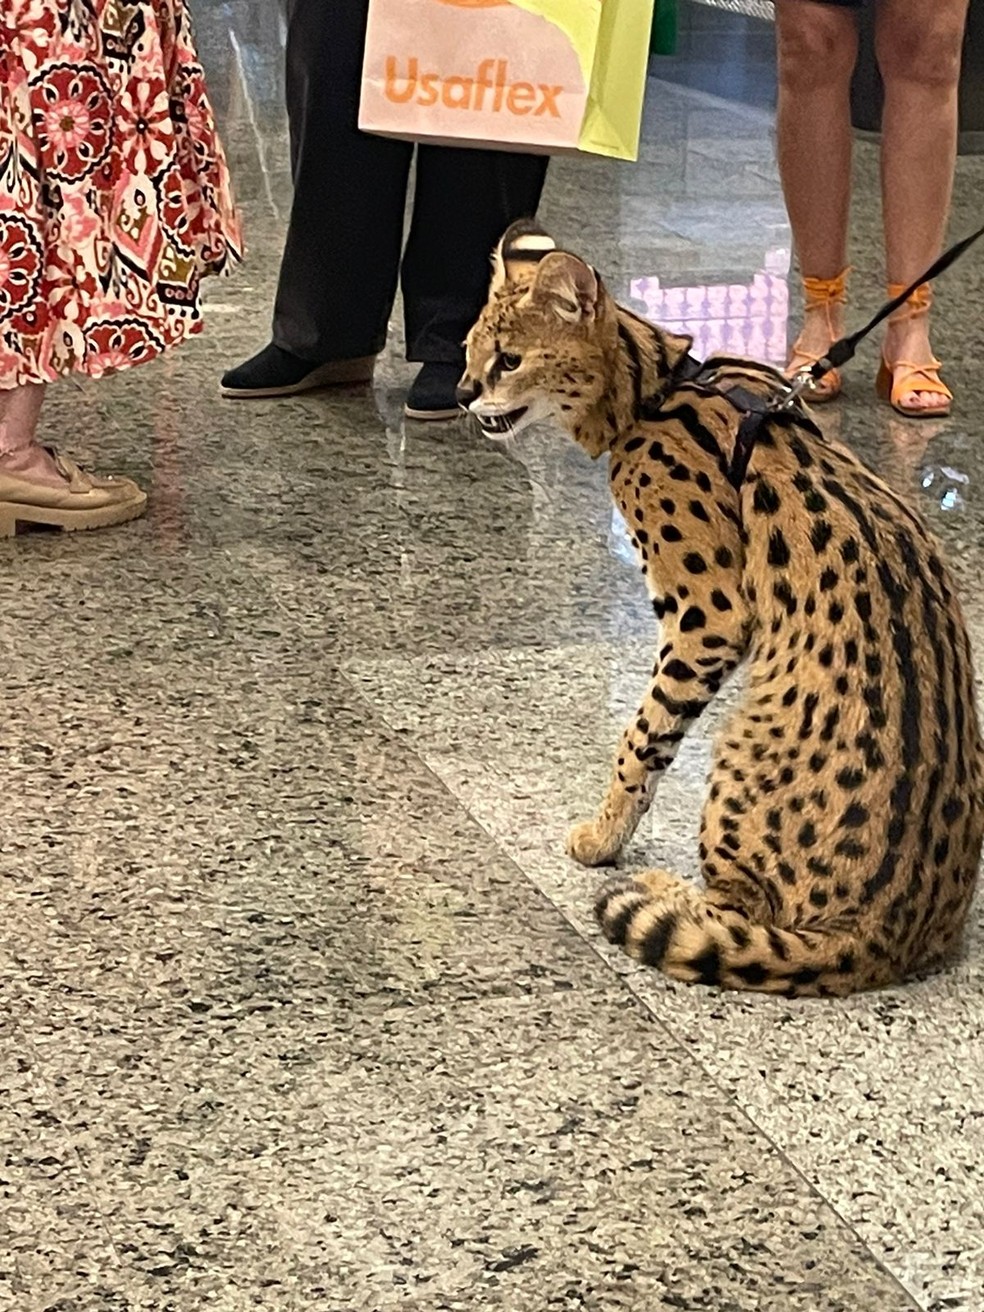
x=901, y=376
x=820, y=294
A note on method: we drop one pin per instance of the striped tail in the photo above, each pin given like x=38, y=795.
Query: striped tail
x=677, y=930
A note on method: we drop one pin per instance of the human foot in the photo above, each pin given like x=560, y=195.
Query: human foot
x=433, y=394
x=909, y=375
x=35, y=464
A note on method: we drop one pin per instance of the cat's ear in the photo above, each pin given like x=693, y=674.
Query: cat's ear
x=519, y=252
x=567, y=286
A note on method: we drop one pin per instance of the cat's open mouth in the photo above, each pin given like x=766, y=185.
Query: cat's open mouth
x=500, y=425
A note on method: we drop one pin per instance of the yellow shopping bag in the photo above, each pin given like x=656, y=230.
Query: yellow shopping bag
x=618, y=79
x=535, y=75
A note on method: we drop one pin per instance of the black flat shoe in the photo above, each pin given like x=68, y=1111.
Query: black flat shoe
x=275, y=372
x=432, y=395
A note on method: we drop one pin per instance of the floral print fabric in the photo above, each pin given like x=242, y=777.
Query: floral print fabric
x=114, y=191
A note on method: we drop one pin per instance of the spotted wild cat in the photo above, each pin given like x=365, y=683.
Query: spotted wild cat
x=842, y=829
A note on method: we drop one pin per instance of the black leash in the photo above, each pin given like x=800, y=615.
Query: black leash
x=756, y=409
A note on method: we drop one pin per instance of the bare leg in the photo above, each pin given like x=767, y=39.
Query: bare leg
x=817, y=49
x=19, y=410
x=919, y=48
x=20, y=453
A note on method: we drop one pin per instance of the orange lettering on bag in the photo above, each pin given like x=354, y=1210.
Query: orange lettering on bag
x=463, y=86
x=482, y=83
x=548, y=103
x=457, y=92
x=500, y=83
x=402, y=96
x=522, y=97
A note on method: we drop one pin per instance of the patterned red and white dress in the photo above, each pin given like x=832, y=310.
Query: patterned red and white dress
x=114, y=191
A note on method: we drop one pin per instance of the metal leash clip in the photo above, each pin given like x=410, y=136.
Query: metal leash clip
x=804, y=381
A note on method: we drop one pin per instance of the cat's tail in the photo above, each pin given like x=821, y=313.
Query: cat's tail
x=663, y=922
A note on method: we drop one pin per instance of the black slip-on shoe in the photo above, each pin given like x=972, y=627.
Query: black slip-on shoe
x=275, y=372
x=433, y=394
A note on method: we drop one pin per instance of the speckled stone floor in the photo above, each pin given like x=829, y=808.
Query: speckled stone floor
x=303, y=1005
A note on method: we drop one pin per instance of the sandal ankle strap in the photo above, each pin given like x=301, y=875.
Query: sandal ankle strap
x=825, y=292
x=915, y=305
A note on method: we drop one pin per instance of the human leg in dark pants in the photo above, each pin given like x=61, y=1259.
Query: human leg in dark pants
x=341, y=259
x=464, y=201
x=342, y=255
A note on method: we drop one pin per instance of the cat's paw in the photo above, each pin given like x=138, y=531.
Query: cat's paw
x=590, y=845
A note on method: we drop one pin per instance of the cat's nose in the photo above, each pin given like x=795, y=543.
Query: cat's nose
x=467, y=392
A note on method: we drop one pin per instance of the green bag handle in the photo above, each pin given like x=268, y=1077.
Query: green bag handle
x=663, y=39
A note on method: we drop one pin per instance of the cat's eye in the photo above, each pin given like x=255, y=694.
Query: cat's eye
x=510, y=362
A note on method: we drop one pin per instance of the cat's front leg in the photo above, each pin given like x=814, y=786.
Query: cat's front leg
x=702, y=646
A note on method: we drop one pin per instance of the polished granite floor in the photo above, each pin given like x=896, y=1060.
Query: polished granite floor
x=304, y=1006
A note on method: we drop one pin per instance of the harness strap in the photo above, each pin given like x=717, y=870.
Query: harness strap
x=686, y=370
x=755, y=410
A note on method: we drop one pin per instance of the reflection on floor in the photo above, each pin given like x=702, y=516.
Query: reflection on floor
x=304, y=1007
x=738, y=319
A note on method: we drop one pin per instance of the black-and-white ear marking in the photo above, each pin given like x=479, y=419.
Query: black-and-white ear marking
x=519, y=252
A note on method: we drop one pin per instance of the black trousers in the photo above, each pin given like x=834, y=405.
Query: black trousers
x=342, y=258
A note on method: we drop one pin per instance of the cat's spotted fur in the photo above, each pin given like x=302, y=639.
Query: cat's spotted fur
x=842, y=828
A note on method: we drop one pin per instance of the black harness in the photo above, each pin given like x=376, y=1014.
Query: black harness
x=754, y=410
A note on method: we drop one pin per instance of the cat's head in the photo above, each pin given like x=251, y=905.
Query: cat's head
x=538, y=350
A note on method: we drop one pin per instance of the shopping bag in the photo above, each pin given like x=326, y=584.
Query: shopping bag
x=618, y=79
x=528, y=75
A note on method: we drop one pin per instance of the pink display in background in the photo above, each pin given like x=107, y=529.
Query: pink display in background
x=735, y=318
